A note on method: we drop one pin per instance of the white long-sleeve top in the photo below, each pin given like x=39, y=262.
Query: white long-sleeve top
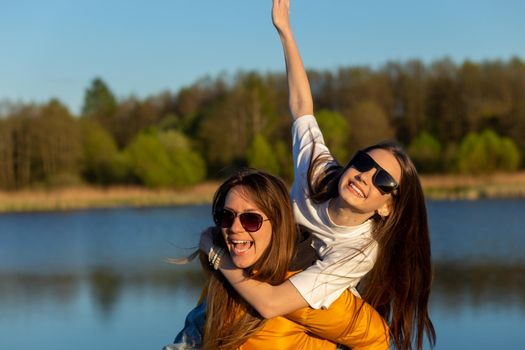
x=347, y=252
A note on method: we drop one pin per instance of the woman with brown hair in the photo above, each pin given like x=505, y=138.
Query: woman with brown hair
x=368, y=218
x=254, y=221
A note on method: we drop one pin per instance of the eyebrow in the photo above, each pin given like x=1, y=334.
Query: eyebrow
x=249, y=210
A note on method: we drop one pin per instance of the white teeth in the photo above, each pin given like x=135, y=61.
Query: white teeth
x=359, y=192
x=241, y=246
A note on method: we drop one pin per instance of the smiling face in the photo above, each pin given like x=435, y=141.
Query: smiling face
x=245, y=247
x=357, y=191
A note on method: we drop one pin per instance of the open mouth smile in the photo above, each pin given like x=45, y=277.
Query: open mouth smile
x=356, y=190
x=239, y=246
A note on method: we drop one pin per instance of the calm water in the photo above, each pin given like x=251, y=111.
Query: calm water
x=98, y=279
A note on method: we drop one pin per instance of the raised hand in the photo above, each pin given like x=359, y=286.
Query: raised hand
x=281, y=14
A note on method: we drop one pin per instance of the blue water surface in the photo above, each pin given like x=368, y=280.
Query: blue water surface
x=99, y=279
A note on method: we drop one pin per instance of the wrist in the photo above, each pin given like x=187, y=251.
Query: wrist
x=285, y=32
x=215, y=255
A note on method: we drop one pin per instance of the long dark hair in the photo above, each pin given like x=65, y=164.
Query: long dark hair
x=230, y=321
x=398, y=286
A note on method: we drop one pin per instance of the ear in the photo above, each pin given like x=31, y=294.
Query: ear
x=385, y=209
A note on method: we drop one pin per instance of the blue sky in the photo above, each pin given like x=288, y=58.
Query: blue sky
x=55, y=48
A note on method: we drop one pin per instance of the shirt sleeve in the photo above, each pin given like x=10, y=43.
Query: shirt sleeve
x=342, y=268
x=307, y=143
x=348, y=321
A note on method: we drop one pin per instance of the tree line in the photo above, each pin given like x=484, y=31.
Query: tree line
x=452, y=118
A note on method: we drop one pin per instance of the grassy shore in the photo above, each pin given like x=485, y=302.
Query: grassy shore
x=437, y=187
x=75, y=198
x=470, y=187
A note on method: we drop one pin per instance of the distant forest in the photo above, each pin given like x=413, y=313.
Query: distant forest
x=467, y=118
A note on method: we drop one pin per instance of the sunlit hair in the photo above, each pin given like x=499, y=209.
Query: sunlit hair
x=230, y=321
x=398, y=286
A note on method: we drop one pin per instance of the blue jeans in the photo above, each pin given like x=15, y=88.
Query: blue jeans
x=190, y=338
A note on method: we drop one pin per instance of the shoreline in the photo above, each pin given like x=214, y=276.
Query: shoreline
x=92, y=197
x=436, y=187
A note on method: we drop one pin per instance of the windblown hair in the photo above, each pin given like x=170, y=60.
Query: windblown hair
x=398, y=286
x=230, y=321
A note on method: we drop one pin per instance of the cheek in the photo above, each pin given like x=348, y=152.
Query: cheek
x=378, y=200
x=346, y=175
x=224, y=235
x=263, y=241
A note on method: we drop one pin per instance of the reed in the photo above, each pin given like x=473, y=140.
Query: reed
x=437, y=187
x=84, y=197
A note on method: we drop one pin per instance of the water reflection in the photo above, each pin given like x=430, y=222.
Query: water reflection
x=31, y=292
x=456, y=286
x=105, y=285
x=110, y=303
x=97, y=279
x=459, y=285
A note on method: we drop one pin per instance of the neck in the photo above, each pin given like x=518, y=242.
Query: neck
x=344, y=215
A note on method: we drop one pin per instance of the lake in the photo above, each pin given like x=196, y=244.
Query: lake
x=99, y=279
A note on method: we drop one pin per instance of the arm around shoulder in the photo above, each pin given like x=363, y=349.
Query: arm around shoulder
x=269, y=301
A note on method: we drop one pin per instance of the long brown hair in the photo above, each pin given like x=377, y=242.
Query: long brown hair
x=398, y=286
x=230, y=321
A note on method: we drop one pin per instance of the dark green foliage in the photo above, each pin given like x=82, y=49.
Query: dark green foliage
x=425, y=151
x=369, y=124
x=58, y=148
x=239, y=120
x=102, y=162
x=39, y=145
x=283, y=155
x=336, y=133
x=99, y=101
x=261, y=156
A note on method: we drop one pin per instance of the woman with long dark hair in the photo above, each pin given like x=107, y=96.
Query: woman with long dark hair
x=368, y=218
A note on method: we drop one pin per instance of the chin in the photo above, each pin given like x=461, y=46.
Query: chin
x=242, y=263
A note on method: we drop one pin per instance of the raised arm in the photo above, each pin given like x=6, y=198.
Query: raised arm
x=300, y=95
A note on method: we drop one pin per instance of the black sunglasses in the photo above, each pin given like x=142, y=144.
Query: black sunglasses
x=251, y=222
x=384, y=182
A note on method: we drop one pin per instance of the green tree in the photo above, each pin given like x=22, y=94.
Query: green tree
x=261, y=156
x=17, y=146
x=149, y=160
x=409, y=88
x=7, y=154
x=425, y=151
x=57, y=145
x=509, y=157
x=486, y=153
x=102, y=162
x=369, y=124
x=283, y=155
x=189, y=165
x=335, y=132
x=99, y=101
x=101, y=105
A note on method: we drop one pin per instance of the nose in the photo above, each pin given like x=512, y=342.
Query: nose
x=236, y=225
x=365, y=176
